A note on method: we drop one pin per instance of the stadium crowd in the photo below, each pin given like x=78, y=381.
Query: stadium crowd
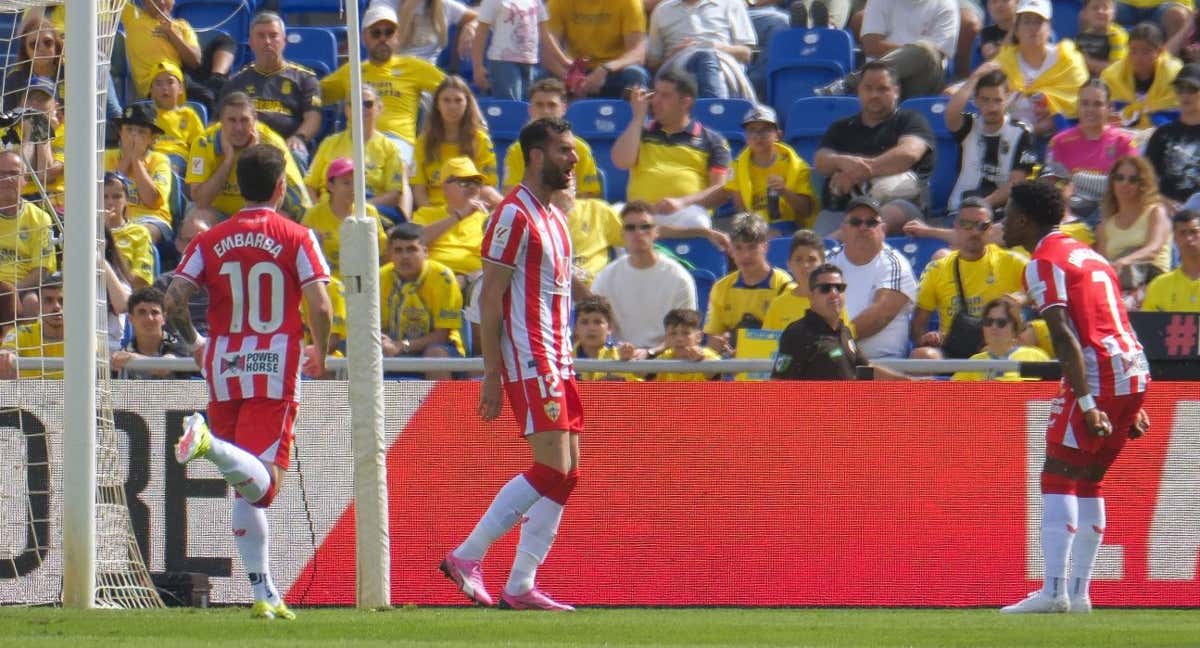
x=879, y=136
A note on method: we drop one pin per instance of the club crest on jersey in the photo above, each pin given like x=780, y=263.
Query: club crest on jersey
x=552, y=410
x=252, y=362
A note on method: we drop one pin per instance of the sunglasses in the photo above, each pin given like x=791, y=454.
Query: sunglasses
x=973, y=226
x=1001, y=322
x=1121, y=177
x=826, y=288
x=381, y=32
x=634, y=227
x=467, y=183
x=859, y=222
x=368, y=103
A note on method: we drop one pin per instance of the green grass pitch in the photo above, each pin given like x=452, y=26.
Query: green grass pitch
x=440, y=627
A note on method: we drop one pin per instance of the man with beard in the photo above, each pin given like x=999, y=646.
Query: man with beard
x=525, y=312
x=400, y=80
x=212, y=175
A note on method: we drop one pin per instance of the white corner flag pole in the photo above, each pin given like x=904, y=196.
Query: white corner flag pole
x=360, y=272
x=80, y=279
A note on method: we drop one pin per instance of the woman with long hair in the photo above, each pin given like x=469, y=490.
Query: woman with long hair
x=454, y=127
x=39, y=55
x=424, y=27
x=1134, y=233
x=1045, y=76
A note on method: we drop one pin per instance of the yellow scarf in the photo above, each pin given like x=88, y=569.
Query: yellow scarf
x=741, y=171
x=1160, y=96
x=410, y=319
x=1060, y=84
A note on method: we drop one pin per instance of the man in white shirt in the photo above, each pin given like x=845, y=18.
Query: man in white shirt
x=711, y=39
x=917, y=37
x=881, y=288
x=644, y=284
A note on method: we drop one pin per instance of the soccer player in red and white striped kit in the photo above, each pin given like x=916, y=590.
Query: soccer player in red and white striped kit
x=1099, y=405
x=256, y=266
x=525, y=311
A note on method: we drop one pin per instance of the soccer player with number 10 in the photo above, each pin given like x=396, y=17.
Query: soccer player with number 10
x=1099, y=406
x=256, y=266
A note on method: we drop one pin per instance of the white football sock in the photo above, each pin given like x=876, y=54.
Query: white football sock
x=246, y=473
x=250, y=534
x=537, y=536
x=1060, y=517
x=506, y=509
x=1087, y=543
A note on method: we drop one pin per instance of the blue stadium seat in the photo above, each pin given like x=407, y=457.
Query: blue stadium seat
x=504, y=117
x=201, y=111
x=704, y=283
x=314, y=47
x=783, y=229
x=231, y=16
x=600, y=122
x=701, y=253
x=799, y=60
x=918, y=251
x=777, y=251
x=945, y=171
x=725, y=117
x=311, y=12
x=1064, y=19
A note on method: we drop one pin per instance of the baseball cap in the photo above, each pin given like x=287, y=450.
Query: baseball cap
x=764, y=114
x=378, y=13
x=138, y=114
x=863, y=201
x=1189, y=74
x=460, y=167
x=1039, y=7
x=43, y=84
x=1054, y=169
x=338, y=168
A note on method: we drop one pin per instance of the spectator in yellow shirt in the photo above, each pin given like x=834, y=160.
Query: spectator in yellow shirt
x=683, y=343
x=385, y=172
x=26, y=249
x=987, y=271
x=39, y=339
x=548, y=98
x=420, y=302
x=152, y=36
x=769, y=177
x=605, y=41
x=740, y=299
x=132, y=240
x=1178, y=291
x=179, y=123
x=595, y=229
x=325, y=218
x=453, y=231
x=1001, y=326
x=148, y=171
x=594, y=326
x=212, y=173
x=805, y=253
x=455, y=127
x=400, y=80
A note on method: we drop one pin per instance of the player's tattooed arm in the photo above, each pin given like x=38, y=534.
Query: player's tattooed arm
x=179, y=293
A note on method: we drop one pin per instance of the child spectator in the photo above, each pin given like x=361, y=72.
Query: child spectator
x=1100, y=39
x=740, y=299
x=455, y=127
x=180, y=124
x=683, y=343
x=1140, y=83
x=325, y=218
x=805, y=253
x=517, y=29
x=149, y=172
x=594, y=325
x=1003, y=15
x=42, y=338
x=132, y=240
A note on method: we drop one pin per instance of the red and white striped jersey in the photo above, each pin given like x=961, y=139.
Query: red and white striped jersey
x=533, y=240
x=255, y=266
x=1066, y=273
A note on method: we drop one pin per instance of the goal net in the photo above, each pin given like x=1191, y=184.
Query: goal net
x=35, y=203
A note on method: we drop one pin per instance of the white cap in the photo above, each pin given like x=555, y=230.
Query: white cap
x=378, y=12
x=1039, y=7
